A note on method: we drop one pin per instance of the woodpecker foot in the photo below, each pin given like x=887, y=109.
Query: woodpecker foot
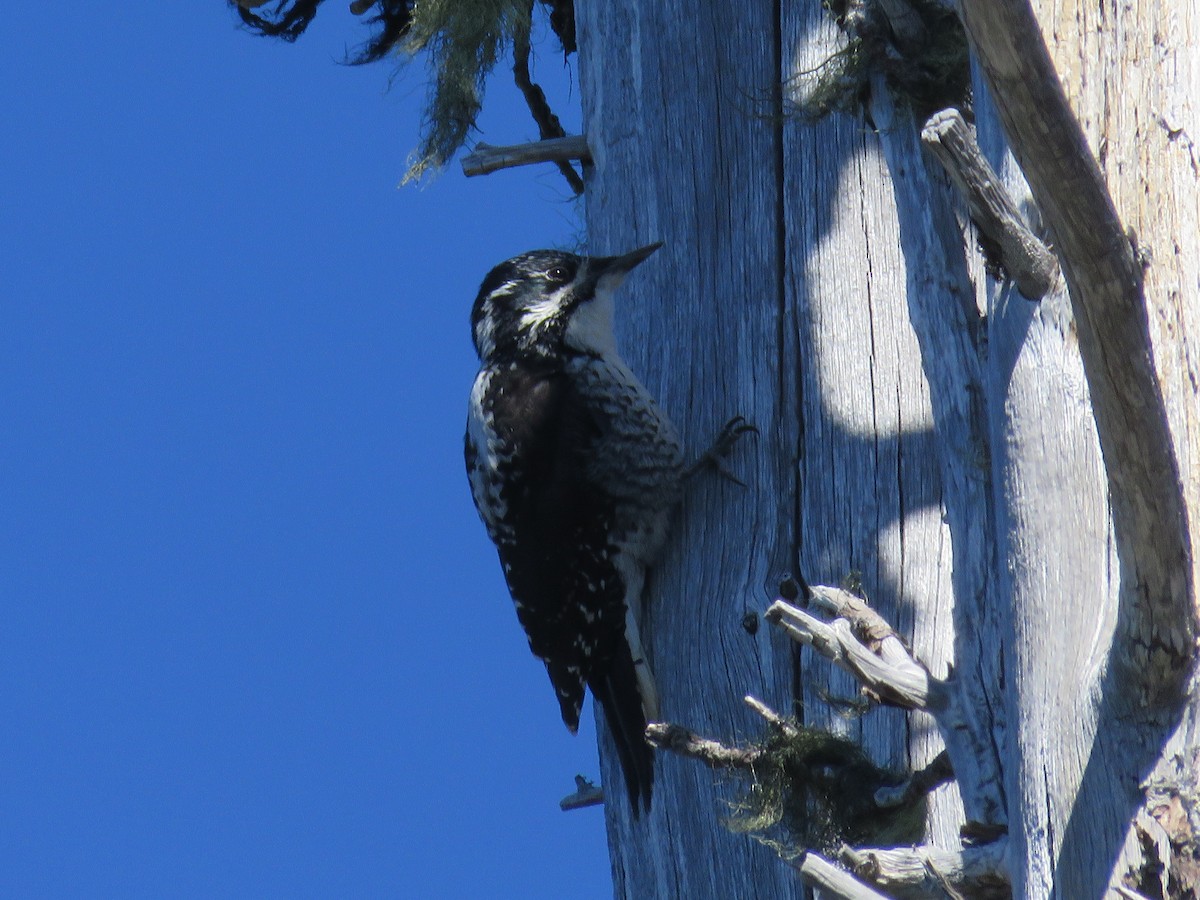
x=714, y=456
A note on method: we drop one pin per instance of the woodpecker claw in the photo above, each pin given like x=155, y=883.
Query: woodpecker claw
x=725, y=472
x=714, y=457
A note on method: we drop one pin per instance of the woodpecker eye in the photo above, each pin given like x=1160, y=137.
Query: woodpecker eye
x=559, y=275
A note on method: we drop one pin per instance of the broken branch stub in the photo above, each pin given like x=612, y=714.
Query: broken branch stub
x=819, y=872
x=485, y=158
x=586, y=794
x=1024, y=257
x=677, y=739
x=892, y=674
x=974, y=871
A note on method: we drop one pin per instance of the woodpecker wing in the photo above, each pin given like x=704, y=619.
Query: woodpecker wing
x=530, y=441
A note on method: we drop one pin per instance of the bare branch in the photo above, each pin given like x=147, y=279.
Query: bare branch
x=774, y=719
x=975, y=871
x=485, y=158
x=869, y=626
x=1025, y=258
x=898, y=680
x=895, y=676
x=678, y=739
x=586, y=794
x=834, y=882
x=923, y=781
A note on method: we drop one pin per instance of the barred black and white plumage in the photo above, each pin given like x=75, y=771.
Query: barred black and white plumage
x=575, y=472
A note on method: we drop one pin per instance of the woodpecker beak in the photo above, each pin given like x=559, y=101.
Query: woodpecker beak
x=610, y=271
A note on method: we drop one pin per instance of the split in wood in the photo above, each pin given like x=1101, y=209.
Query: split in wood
x=586, y=794
x=1026, y=259
x=485, y=158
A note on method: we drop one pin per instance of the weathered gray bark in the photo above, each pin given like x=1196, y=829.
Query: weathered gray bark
x=707, y=328
x=925, y=431
x=1095, y=705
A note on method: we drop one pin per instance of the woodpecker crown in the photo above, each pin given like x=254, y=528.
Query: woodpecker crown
x=547, y=303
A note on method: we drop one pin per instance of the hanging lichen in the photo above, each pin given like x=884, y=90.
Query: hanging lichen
x=464, y=39
x=813, y=790
x=461, y=41
x=925, y=63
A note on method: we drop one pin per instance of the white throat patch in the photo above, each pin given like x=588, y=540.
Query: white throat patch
x=590, y=329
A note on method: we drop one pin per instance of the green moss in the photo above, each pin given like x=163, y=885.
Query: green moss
x=815, y=790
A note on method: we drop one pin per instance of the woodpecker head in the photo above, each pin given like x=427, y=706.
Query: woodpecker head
x=546, y=303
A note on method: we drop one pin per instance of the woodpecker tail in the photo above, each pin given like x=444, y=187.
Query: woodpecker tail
x=619, y=694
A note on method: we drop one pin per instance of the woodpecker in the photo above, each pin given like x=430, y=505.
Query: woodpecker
x=575, y=472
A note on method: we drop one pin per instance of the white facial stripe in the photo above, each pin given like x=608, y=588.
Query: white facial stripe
x=505, y=289
x=541, y=312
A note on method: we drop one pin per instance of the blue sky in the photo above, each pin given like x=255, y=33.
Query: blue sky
x=254, y=641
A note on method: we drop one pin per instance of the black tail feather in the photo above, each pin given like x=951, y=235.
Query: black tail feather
x=618, y=695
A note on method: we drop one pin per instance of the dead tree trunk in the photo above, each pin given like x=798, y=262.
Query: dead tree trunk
x=1013, y=482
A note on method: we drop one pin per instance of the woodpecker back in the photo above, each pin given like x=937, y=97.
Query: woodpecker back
x=574, y=471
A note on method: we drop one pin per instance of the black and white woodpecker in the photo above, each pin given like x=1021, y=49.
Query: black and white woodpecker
x=575, y=472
